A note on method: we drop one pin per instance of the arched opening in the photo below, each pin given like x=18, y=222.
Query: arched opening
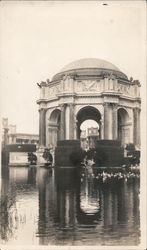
x=54, y=127
x=123, y=126
x=88, y=126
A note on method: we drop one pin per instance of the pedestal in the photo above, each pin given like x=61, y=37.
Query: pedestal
x=109, y=153
x=68, y=153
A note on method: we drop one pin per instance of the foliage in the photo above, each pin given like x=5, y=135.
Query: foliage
x=47, y=155
x=130, y=147
x=32, y=158
x=133, y=156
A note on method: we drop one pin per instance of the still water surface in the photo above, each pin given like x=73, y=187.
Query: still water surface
x=65, y=207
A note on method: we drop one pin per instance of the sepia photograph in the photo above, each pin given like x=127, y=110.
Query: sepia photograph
x=73, y=125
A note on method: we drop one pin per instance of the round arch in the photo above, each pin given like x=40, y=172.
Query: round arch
x=54, y=127
x=123, y=126
x=87, y=113
x=54, y=116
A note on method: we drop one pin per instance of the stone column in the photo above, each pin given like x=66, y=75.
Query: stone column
x=114, y=122
x=42, y=127
x=99, y=130
x=136, y=131
x=75, y=128
x=62, y=126
x=101, y=127
x=71, y=121
x=106, y=121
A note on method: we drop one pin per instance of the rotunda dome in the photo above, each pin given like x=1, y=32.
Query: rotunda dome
x=89, y=63
x=90, y=66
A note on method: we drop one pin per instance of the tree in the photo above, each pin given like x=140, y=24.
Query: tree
x=47, y=156
x=32, y=158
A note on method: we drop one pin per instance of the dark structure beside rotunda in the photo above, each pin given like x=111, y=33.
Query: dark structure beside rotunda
x=89, y=89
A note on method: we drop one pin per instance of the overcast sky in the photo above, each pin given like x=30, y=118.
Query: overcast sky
x=38, y=38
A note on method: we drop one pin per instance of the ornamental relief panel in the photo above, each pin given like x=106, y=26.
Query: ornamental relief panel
x=52, y=91
x=123, y=88
x=128, y=89
x=87, y=86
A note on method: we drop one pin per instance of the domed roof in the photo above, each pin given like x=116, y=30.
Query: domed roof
x=87, y=63
x=90, y=67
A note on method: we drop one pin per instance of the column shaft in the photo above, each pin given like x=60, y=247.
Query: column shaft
x=114, y=122
x=42, y=128
x=106, y=121
x=136, y=132
x=71, y=121
x=62, y=126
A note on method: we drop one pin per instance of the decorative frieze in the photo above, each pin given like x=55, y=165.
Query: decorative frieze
x=69, y=85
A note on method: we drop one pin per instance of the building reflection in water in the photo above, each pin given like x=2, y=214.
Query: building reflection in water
x=78, y=209
x=4, y=205
x=88, y=201
x=18, y=208
x=67, y=207
x=47, y=206
x=57, y=206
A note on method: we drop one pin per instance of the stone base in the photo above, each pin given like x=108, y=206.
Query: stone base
x=68, y=153
x=109, y=153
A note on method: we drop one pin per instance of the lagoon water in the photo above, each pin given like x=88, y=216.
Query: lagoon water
x=67, y=207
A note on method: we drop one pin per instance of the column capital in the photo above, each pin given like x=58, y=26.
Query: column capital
x=71, y=104
x=106, y=104
x=114, y=105
x=110, y=104
x=42, y=109
x=137, y=108
x=63, y=105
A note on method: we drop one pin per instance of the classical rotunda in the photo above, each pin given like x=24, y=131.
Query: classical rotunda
x=89, y=89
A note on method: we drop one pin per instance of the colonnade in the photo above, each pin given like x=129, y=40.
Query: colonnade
x=108, y=124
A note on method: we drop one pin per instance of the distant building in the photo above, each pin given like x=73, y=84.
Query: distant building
x=24, y=138
x=83, y=139
x=93, y=136
x=10, y=136
x=15, y=144
x=89, y=137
